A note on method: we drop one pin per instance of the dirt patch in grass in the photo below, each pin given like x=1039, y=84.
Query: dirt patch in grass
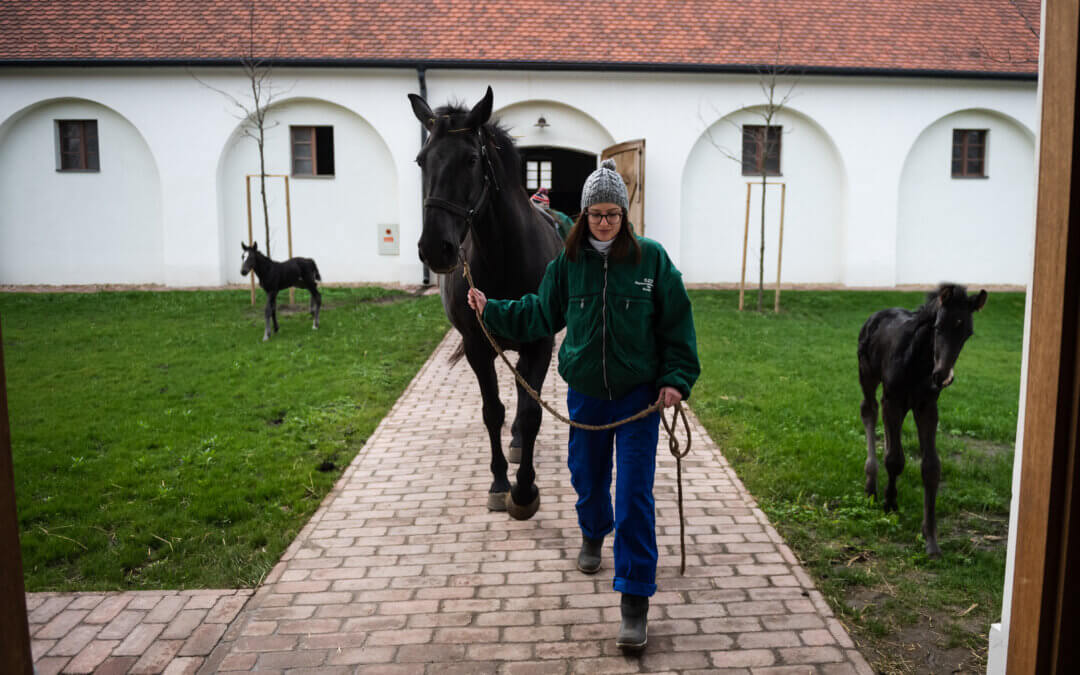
x=927, y=647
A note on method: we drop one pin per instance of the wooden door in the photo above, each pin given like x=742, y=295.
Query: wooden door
x=630, y=162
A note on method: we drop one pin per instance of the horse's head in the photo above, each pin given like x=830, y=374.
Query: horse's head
x=952, y=327
x=455, y=165
x=248, y=258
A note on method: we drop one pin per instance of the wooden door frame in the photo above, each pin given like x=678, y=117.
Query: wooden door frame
x=15, y=656
x=1046, y=589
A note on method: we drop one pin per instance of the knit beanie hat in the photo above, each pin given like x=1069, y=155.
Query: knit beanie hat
x=541, y=197
x=604, y=185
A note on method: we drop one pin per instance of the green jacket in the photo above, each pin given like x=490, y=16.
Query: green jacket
x=626, y=324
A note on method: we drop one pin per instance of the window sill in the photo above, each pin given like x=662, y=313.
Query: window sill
x=78, y=171
x=970, y=177
x=316, y=176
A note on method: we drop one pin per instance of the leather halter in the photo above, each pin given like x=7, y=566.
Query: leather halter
x=469, y=213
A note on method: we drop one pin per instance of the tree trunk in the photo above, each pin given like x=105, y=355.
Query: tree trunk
x=761, y=258
x=262, y=189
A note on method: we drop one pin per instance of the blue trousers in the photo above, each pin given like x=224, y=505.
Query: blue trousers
x=634, y=517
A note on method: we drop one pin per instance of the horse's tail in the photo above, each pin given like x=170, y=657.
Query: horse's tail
x=318, y=277
x=456, y=355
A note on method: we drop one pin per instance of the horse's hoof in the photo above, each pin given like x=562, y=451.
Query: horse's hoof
x=265, y=338
x=514, y=455
x=497, y=501
x=523, y=512
x=934, y=553
x=891, y=507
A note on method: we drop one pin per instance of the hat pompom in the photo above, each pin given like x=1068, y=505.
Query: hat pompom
x=608, y=164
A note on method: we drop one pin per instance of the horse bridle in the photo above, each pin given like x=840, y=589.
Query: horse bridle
x=468, y=214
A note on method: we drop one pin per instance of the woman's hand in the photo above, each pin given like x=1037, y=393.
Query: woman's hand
x=477, y=300
x=669, y=396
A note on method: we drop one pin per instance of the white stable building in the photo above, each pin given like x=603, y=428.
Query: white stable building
x=906, y=147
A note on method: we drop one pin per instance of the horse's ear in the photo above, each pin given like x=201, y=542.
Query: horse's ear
x=243, y=245
x=481, y=112
x=978, y=301
x=422, y=111
x=945, y=293
x=254, y=246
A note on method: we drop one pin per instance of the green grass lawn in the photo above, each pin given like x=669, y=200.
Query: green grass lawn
x=780, y=394
x=159, y=444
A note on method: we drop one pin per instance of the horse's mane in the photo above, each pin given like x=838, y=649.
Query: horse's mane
x=928, y=311
x=451, y=117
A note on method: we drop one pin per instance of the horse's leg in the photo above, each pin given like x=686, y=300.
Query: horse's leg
x=315, y=303
x=482, y=361
x=273, y=309
x=514, y=454
x=926, y=420
x=533, y=365
x=869, y=410
x=268, y=315
x=892, y=414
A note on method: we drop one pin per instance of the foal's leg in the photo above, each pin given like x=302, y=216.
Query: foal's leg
x=893, y=421
x=869, y=410
x=926, y=420
x=533, y=366
x=273, y=309
x=482, y=360
x=315, y=303
x=269, y=314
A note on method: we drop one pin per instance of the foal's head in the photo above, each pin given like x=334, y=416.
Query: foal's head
x=248, y=257
x=457, y=159
x=951, y=308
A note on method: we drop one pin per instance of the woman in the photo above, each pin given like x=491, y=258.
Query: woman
x=629, y=343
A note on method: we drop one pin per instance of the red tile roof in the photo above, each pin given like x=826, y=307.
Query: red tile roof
x=988, y=37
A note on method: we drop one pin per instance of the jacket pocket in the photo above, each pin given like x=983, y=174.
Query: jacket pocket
x=583, y=320
x=632, y=333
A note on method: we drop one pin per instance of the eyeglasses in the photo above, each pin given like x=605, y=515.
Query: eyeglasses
x=613, y=217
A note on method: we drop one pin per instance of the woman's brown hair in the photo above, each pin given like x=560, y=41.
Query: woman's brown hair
x=625, y=245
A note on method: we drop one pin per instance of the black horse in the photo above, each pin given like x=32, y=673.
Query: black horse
x=276, y=276
x=475, y=204
x=912, y=354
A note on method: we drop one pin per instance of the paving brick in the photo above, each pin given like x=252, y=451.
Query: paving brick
x=740, y=658
x=50, y=665
x=107, y=609
x=49, y=609
x=182, y=626
x=139, y=639
x=73, y=643
x=91, y=657
x=166, y=609
x=238, y=662
x=203, y=640
x=157, y=657
x=184, y=665
x=116, y=665
x=811, y=655
x=226, y=609
x=61, y=624
x=121, y=625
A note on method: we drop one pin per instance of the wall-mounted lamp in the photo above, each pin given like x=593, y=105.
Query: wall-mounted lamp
x=542, y=123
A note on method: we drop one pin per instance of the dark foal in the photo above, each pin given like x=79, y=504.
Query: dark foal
x=912, y=354
x=277, y=276
x=475, y=206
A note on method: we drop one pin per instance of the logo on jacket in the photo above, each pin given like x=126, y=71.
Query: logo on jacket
x=646, y=284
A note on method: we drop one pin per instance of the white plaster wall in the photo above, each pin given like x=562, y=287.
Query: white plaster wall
x=77, y=227
x=971, y=230
x=335, y=219
x=873, y=122
x=569, y=127
x=714, y=206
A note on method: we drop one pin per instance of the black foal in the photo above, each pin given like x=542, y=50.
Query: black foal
x=275, y=276
x=912, y=354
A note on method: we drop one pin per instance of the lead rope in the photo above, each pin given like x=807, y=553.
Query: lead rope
x=673, y=443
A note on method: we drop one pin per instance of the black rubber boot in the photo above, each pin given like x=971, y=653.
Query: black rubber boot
x=634, y=632
x=588, y=560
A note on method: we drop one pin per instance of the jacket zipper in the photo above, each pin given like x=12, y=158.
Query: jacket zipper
x=603, y=313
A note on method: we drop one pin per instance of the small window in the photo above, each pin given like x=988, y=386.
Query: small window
x=78, y=144
x=537, y=175
x=969, y=153
x=761, y=150
x=312, y=151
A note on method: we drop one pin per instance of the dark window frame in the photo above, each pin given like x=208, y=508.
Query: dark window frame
x=965, y=166
x=87, y=159
x=766, y=151
x=321, y=151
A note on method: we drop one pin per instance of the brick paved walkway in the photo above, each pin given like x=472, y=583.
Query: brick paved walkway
x=403, y=570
